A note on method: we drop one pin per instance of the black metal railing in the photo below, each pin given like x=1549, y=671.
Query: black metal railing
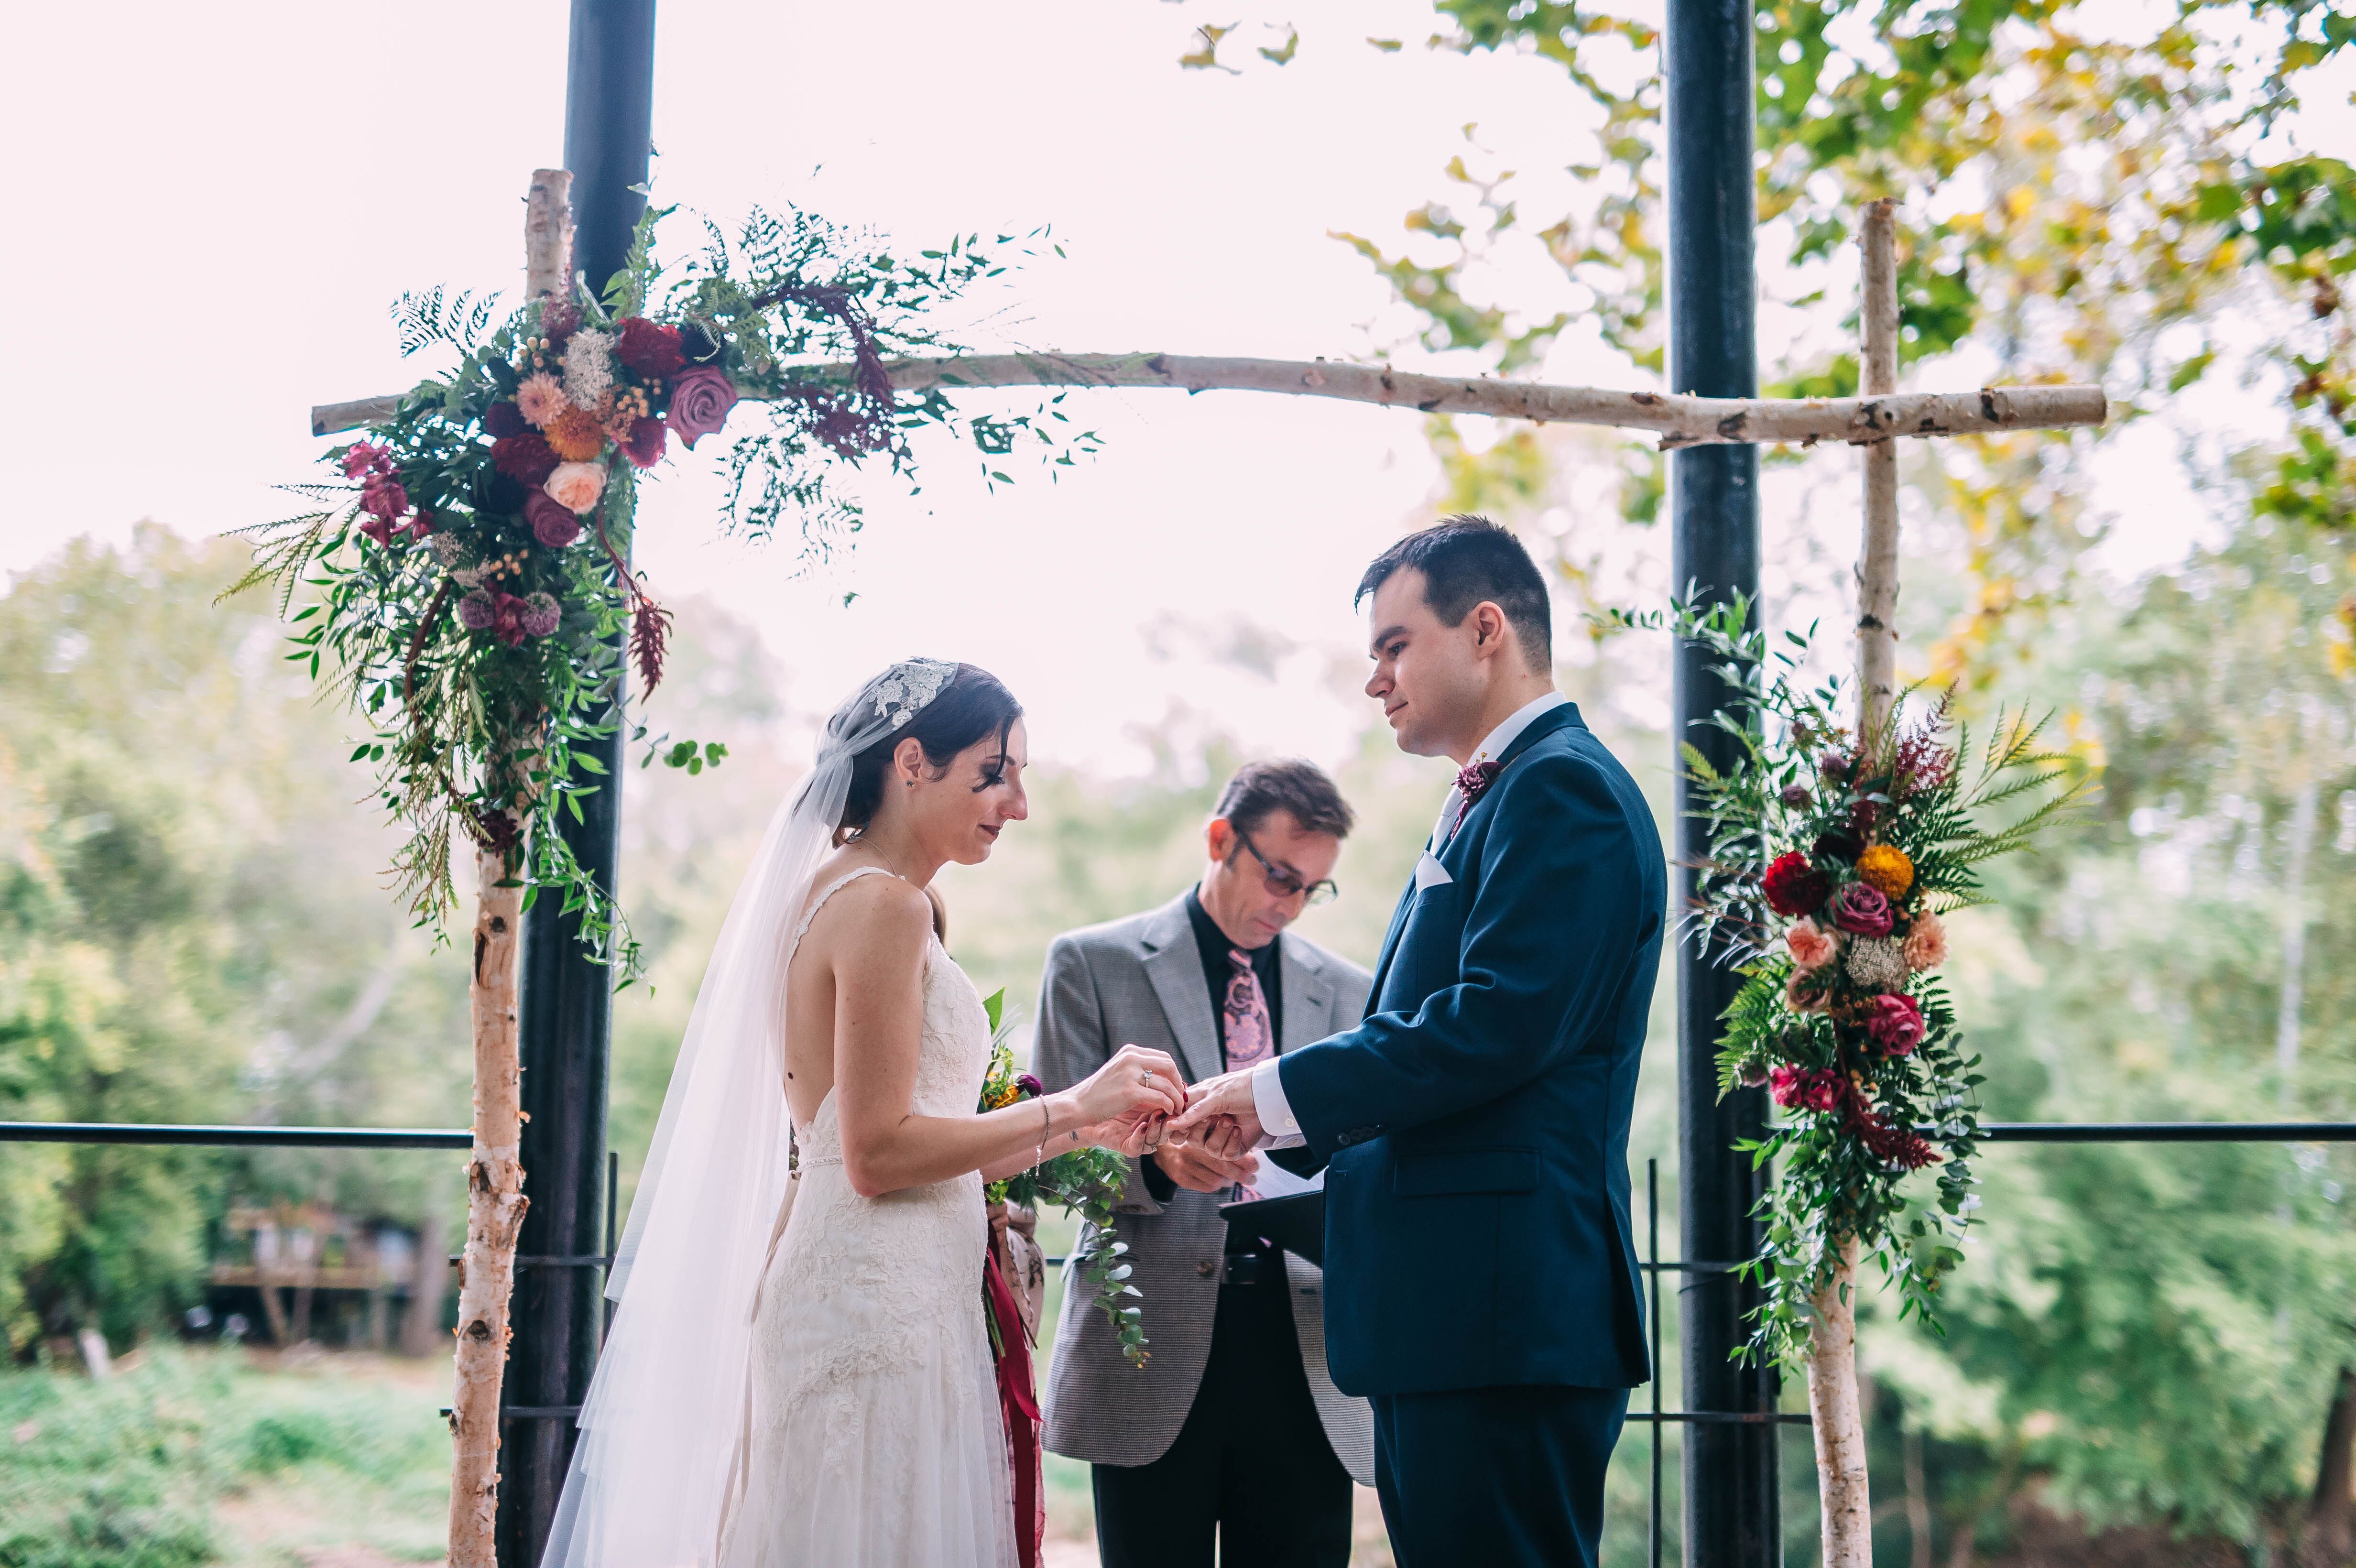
x=225, y=1136
x=1653, y=1265
x=1989, y=1132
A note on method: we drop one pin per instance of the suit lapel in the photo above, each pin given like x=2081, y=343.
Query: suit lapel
x=1174, y=966
x=1307, y=996
x=1560, y=717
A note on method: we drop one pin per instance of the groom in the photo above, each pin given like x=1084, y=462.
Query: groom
x=1479, y=1278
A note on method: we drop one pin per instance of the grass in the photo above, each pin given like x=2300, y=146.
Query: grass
x=201, y=1456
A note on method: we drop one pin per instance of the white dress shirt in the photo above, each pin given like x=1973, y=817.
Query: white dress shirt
x=1279, y=1127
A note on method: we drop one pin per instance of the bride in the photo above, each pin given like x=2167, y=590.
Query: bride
x=798, y=1371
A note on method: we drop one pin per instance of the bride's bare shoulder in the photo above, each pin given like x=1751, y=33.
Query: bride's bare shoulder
x=878, y=915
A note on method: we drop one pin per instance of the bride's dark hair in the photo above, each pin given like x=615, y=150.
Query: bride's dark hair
x=973, y=706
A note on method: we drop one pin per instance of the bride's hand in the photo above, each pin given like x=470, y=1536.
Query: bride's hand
x=1131, y=1136
x=1136, y=1087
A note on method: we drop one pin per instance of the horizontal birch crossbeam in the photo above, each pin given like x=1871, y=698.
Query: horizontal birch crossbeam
x=1677, y=419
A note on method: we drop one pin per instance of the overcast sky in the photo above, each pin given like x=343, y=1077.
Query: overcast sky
x=215, y=204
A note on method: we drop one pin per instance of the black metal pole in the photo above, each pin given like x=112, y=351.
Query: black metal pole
x=567, y=1000
x=1731, y=1519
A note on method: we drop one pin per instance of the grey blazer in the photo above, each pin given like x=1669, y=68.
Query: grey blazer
x=1140, y=981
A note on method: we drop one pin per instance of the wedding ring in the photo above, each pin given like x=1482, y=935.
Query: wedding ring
x=1146, y=1076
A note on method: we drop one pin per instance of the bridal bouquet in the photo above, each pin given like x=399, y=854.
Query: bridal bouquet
x=1088, y=1180
x=1834, y=856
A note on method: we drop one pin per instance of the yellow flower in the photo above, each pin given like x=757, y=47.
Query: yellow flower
x=576, y=435
x=1885, y=867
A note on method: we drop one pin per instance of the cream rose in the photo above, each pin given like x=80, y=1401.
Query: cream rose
x=575, y=486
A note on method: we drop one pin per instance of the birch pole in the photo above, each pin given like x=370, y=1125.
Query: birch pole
x=1839, y=1423
x=496, y=1200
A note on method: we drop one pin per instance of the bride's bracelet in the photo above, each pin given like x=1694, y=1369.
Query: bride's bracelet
x=1047, y=1126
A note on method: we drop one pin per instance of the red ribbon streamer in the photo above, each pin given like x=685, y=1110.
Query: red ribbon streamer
x=1019, y=1404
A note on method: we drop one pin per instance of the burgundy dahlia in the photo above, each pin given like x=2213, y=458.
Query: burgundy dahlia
x=503, y=419
x=649, y=347
x=1861, y=910
x=527, y=458
x=1837, y=844
x=1794, y=886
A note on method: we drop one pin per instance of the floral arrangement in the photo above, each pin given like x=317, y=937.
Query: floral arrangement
x=471, y=556
x=1088, y=1180
x=1834, y=857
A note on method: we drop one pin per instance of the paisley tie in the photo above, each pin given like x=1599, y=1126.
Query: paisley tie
x=1250, y=1038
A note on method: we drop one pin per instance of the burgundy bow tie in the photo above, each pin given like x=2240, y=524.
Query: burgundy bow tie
x=1475, y=778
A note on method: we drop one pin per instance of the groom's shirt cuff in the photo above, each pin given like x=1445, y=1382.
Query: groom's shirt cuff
x=1278, y=1127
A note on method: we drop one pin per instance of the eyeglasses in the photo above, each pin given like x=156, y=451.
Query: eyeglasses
x=1284, y=882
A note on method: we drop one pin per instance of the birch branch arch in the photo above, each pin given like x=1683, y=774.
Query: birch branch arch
x=1677, y=419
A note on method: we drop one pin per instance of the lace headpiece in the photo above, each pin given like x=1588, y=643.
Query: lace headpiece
x=909, y=687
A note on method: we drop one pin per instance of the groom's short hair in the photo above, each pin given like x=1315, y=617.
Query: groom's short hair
x=1465, y=559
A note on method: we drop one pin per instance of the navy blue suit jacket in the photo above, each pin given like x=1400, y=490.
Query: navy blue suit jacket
x=1475, y=1124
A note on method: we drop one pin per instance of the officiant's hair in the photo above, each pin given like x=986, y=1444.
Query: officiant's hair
x=974, y=706
x=1259, y=790
x=1465, y=559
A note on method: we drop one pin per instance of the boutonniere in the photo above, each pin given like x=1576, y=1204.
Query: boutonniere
x=1471, y=781
x=1474, y=779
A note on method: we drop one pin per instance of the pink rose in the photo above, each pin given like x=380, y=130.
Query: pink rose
x=1812, y=947
x=1803, y=992
x=1860, y=908
x=1927, y=943
x=1895, y=1023
x=552, y=523
x=575, y=486
x=699, y=399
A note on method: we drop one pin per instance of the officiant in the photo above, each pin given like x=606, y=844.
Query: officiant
x=1232, y=1441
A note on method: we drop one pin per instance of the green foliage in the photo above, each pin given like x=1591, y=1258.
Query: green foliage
x=189, y=932
x=1089, y=1182
x=125, y=1474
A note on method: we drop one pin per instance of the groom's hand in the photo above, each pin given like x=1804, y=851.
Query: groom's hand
x=1193, y=1167
x=1227, y=1097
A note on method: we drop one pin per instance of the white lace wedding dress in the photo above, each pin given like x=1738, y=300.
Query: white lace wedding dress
x=875, y=1435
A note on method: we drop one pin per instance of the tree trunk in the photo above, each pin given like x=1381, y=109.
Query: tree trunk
x=1839, y=1421
x=2330, y=1537
x=495, y=1211
x=1677, y=419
